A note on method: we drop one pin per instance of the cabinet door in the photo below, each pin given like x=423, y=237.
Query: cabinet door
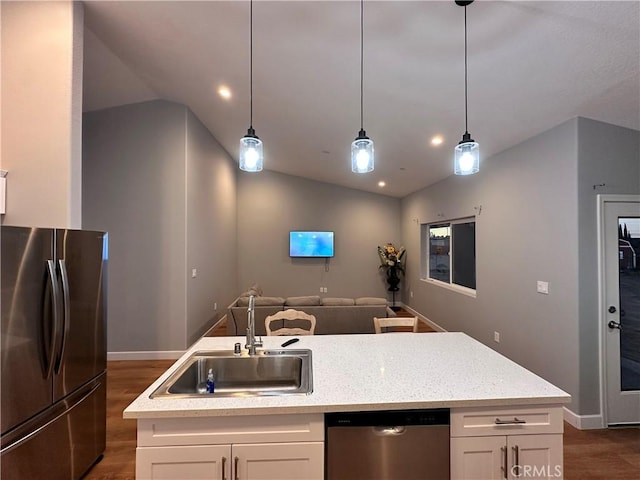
x=279, y=461
x=481, y=458
x=196, y=462
x=535, y=456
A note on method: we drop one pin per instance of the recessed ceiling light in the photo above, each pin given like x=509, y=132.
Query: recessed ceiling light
x=224, y=92
x=437, y=140
x=382, y=183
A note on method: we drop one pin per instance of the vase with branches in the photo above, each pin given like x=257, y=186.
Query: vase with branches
x=392, y=263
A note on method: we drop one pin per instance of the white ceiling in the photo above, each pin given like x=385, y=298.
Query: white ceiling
x=532, y=65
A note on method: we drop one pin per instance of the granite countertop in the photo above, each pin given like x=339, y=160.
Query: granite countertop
x=373, y=372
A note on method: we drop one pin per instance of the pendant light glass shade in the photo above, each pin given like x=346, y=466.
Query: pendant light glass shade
x=251, y=157
x=362, y=154
x=467, y=156
x=467, y=152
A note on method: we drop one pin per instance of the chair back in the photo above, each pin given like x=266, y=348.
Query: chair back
x=383, y=324
x=286, y=317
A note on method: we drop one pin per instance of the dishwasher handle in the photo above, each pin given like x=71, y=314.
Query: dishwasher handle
x=389, y=431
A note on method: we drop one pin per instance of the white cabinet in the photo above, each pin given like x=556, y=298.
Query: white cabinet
x=225, y=448
x=194, y=461
x=506, y=443
x=279, y=461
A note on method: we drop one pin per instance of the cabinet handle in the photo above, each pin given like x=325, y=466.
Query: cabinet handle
x=515, y=421
x=224, y=464
x=235, y=468
x=505, y=468
x=516, y=463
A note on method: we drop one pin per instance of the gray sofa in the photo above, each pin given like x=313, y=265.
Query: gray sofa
x=333, y=315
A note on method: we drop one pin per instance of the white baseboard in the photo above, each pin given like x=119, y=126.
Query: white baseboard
x=220, y=321
x=583, y=422
x=160, y=355
x=433, y=325
x=157, y=355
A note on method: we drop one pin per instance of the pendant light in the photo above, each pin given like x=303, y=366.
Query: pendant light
x=467, y=152
x=251, y=157
x=362, y=146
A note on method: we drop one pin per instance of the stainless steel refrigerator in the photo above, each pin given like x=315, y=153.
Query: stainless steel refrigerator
x=52, y=352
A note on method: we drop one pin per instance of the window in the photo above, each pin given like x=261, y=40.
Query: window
x=449, y=252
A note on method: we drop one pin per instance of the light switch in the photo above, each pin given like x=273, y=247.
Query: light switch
x=543, y=287
x=194, y=273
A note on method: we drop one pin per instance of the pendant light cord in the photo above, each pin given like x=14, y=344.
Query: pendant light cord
x=251, y=64
x=466, y=108
x=361, y=63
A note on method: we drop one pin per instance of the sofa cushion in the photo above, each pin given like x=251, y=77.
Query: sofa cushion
x=261, y=301
x=333, y=301
x=371, y=301
x=303, y=301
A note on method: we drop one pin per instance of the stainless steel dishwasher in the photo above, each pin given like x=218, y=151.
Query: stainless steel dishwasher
x=387, y=445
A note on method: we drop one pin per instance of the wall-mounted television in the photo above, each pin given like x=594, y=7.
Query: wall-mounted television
x=310, y=244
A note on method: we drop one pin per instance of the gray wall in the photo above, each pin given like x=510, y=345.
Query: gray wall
x=611, y=155
x=525, y=231
x=153, y=184
x=41, y=91
x=537, y=222
x=211, y=228
x=271, y=204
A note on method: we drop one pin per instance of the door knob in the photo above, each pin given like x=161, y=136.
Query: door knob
x=613, y=324
x=612, y=309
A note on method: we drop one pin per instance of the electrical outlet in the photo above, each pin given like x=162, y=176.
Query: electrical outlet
x=496, y=337
x=215, y=305
x=411, y=293
x=321, y=289
x=325, y=289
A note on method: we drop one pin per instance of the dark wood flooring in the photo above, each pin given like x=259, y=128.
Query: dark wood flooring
x=609, y=454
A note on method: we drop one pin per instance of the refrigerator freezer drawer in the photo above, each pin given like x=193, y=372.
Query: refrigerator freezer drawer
x=63, y=444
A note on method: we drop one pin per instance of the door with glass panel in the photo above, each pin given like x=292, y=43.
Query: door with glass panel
x=621, y=304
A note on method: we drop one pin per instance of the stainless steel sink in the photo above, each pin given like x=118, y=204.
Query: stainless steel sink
x=270, y=372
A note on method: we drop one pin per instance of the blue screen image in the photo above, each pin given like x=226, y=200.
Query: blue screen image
x=310, y=244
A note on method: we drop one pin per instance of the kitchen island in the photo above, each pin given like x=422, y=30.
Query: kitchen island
x=493, y=401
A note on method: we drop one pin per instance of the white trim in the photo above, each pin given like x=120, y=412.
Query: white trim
x=220, y=321
x=583, y=422
x=424, y=319
x=146, y=355
x=602, y=301
x=601, y=199
x=469, y=292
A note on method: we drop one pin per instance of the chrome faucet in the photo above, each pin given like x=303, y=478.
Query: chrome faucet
x=252, y=343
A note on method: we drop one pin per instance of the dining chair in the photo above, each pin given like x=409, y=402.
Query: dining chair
x=382, y=324
x=288, y=316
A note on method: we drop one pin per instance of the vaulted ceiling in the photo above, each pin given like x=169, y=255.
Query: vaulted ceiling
x=532, y=65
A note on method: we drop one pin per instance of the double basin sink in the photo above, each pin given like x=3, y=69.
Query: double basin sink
x=268, y=373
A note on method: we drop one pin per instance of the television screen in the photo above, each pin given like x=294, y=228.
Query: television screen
x=310, y=244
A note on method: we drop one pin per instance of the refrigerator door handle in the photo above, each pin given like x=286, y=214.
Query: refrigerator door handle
x=64, y=331
x=57, y=330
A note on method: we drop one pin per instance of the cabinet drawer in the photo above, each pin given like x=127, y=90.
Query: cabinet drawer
x=220, y=430
x=473, y=422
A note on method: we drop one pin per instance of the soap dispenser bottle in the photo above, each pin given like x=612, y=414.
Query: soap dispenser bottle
x=210, y=382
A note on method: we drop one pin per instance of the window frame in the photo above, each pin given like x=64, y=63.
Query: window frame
x=425, y=255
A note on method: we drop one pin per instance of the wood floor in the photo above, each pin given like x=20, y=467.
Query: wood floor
x=611, y=454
